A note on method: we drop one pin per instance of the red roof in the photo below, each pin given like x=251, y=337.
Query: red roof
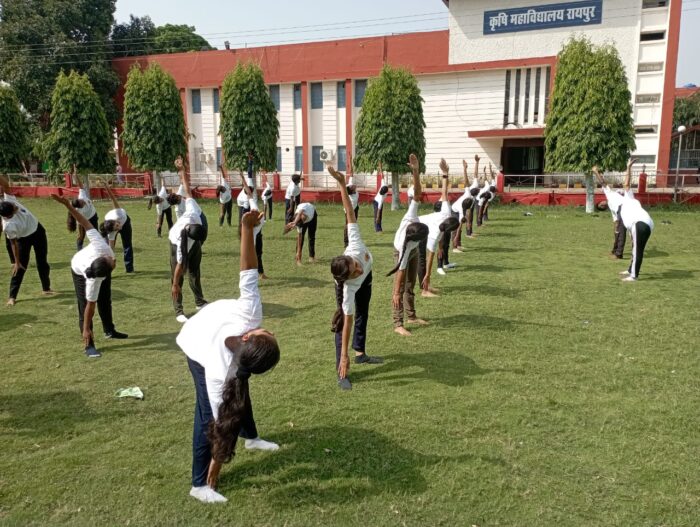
x=686, y=92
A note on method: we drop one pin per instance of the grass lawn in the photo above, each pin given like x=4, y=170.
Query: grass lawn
x=544, y=392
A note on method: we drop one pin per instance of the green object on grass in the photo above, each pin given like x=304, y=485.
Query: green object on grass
x=133, y=391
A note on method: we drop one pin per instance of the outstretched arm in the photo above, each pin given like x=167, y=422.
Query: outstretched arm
x=111, y=195
x=628, y=175
x=249, y=259
x=465, y=166
x=476, y=166
x=184, y=179
x=82, y=221
x=445, y=168
x=598, y=175
x=415, y=172
x=347, y=205
x=246, y=188
x=76, y=177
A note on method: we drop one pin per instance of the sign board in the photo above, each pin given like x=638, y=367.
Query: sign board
x=585, y=13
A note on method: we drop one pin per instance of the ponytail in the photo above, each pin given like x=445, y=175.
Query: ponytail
x=183, y=248
x=340, y=269
x=107, y=227
x=71, y=223
x=415, y=232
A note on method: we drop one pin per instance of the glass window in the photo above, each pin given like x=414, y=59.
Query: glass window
x=219, y=157
x=297, y=96
x=646, y=160
x=341, y=94
x=316, y=163
x=360, y=88
x=640, y=130
x=650, y=4
x=650, y=66
x=654, y=35
x=648, y=98
x=342, y=158
x=298, y=158
x=275, y=95
x=279, y=159
x=316, y=95
x=216, y=100
x=196, y=101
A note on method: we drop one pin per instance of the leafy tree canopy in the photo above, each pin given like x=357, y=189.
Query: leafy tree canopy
x=248, y=119
x=172, y=38
x=80, y=133
x=14, y=143
x=154, y=124
x=686, y=111
x=136, y=37
x=590, y=120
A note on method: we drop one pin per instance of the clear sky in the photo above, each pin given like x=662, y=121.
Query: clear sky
x=282, y=21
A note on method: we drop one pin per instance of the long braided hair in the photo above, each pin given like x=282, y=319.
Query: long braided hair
x=340, y=269
x=415, y=232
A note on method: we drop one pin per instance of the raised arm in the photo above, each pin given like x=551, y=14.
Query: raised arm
x=445, y=168
x=347, y=205
x=465, y=166
x=184, y=179
x=414, y=165
x=491, y=171
x=223, y=172
x=628, y=175
x=82, y=221
x=598, y=176
x=111, y=195
x=476, y=166
x=249, y=259
x=246, y=188
x=76, y=177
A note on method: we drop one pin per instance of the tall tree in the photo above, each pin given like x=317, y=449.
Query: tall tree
x=391, y=126
x=14, y=143
x=80, y=133
x=154, y=124
x=136, y=37
x=38, y=39
x=248, y=119
x=172, y=38
x=686, y=111
x=590, y=121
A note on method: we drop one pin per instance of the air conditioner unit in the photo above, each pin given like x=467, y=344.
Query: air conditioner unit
x=327, y=155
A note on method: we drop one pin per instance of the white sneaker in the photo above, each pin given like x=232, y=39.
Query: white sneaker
x=261, y=444
x=629, y=279
x=181, y=319
x=624, y=273
x=441, y=271
x=206, y=494
x=457, y=250
x=450, y=266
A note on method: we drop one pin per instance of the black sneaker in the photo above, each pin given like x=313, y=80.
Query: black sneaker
x=345, y=384
x=92, y=353
x=116, y=335
x=366, y=359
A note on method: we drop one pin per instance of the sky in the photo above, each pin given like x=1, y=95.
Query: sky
x=286, y=21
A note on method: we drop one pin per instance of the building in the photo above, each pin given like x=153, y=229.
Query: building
x=486, y=82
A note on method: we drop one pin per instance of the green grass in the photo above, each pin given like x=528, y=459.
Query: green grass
x=545, y=391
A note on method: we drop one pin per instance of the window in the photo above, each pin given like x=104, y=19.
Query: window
x=538, y=76
x=516, y=110
x=316, y=163
x=216, y=100
x=646, y=160
x=641, y=130
x=341, y=94
x=198, y=163
x=275, y=95
x=196, y=101
x=360, y=88
x=645, y=67
x=342, y=158
x=648, y=98
x=298, y=158
x=547, y=84
x=279, y=159
x=219, y=157
x=506, y=106
x=528, y=77
x=653, y=35
x=316, y=95
x=650, y=4
x=297, y=96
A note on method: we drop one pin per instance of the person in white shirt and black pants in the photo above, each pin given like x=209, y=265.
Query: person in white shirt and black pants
x=91, y=269
x=292, y=197
x=613, y=200
x=305, y=220
x=83, y=204
x=163, y=209
x=352, y=273
x=223, y=192
x=225, y=345
x=24, y=232
x=186, y=250
x=378, y=202
x=118, y=221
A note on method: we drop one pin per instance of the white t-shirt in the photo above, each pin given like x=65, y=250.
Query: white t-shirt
x=163, y=205
x=23, y=223
x=180, y=207
x=357, y=250
x=242, y=199
x=88, y=211
x=411, y=216
x=253, y=204
x=632, y=212
x=614, y=200
x=293, y=190
x=115, y=215
x=97, y=248
x=225, y=196
x=457, y=205
x=380, y=199
x=433, y=222
x=267, y=193
x=481, y=197
x=203, y=336
x=308, y=209
x=354, y=199
x=191, y=216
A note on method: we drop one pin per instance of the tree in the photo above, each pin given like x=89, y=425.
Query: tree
x=136, y=37
x=40, y=39
x=80, y=133
x=172, y=38
x=590, y=121
x=248, y=119
x=14, y=141
x=686, y=111
x=391, y=126
x=154, y=125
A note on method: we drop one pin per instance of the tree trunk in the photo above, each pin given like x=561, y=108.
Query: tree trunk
x=156, y=181
x=590, y=189
x=395, y=191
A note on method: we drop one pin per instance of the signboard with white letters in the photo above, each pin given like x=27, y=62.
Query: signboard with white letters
x=584, y=13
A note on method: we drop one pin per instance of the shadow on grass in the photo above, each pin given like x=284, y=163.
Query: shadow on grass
x=279, y=310
x=165, y=275
x=42, y=414
x=484, y=322
x=153, y=342
x=336, y=465
x=488, y=268
x=489, y=290
x=444, y=367
x=11, y=320
x=301, y=281
x=655, y=253
x=498, y=250
x=673, y=274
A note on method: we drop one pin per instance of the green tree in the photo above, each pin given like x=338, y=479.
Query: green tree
x=136, y=37
x=686, y=111
x=79, y=133
x=14, y=141
x=154, y=125
x=391, y=126
x=40, y=39
x=172, y=38
x=590, y=120
x=248, y=119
